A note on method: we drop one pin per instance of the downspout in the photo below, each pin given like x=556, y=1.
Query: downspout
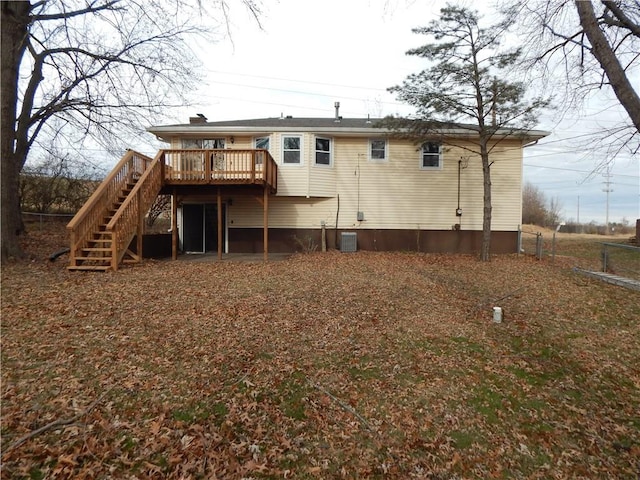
x=309, y=175
x=336, y=229
x=459, y=208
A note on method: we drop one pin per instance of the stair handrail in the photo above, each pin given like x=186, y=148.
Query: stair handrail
x=149, y=181
x=96, y=206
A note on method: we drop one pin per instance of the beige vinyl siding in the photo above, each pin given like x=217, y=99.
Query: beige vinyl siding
x=398, y=194
x=395, y=194
x=506, y=188
x=284, y=212
x=322, y=179
x=293, y=180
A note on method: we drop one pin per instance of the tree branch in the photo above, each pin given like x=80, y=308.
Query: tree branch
x=343, y=405
x=61, y=422
x=623, y=20
x=65, y=15
x=602, y=51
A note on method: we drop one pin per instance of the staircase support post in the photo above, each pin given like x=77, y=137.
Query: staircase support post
x=174, y=225
x=265, y=206
x=140, y=231
x=114, y=251
x=219, y=224
x=72, y=251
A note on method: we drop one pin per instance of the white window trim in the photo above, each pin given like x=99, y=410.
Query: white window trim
x=322, y=165
x=201, y=140
x=259, y=159
x=386, y=151
x=440, y=158
x=255, y=141
x=293, y=165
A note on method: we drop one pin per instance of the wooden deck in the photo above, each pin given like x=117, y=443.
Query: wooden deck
x=104, y=227
x=220, y=167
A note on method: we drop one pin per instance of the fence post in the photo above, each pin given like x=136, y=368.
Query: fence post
x=605, y=254
x=539, y=246
x=519, y=245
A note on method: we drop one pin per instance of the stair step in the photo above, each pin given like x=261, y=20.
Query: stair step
x=96, y=256
x=97, y=268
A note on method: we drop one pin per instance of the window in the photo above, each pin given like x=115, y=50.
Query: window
x=378, y=150
x=431, y=157
x=292, y=150
x=263, y=144
x=203, y=143
x=323, y=151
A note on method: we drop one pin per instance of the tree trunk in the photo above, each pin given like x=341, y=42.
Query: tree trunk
x=14, y=22
x=602, y=51
x=485, y=253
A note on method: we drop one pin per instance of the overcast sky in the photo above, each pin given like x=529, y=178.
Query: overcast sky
x=310, y=54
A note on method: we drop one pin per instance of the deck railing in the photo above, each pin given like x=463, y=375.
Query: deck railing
x=220, y=166
x=95, y=210
x=130, y=214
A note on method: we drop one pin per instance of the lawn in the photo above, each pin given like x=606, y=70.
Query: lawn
x=365, y=365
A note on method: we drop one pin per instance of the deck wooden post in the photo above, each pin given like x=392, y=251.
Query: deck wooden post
x=140, y=231
x=174, y=225
x=219, y=224
x=265, y=205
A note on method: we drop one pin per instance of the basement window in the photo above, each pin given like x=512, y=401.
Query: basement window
x=431, y=156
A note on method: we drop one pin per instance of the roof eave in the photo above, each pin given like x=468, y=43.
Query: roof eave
x=167, y=132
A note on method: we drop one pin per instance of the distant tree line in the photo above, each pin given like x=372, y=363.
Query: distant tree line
x=537, y=210
x=61, y=186
x=57, y=185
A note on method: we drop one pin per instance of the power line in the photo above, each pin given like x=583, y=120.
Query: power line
x=298, y=92
x=579, y=171
x=607, y=190
x=309, y=82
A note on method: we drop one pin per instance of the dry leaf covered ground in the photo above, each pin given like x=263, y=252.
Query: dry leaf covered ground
x=366, y=365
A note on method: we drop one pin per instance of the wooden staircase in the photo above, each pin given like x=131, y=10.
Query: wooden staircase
x=97, y=254
x=103, y=229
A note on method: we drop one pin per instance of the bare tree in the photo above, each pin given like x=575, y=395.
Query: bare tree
x=98, y=67
x=534, y=211
x=469, y=85
x=537, y=210
x=161, y=205
x=597, y=46
x=57, y=182
x=554, y=212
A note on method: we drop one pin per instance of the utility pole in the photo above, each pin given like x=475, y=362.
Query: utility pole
x=607, y=190
x=578, y=226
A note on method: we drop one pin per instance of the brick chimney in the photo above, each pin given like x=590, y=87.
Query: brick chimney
x=199, y=118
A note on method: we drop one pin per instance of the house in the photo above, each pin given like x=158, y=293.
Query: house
x=277, y=184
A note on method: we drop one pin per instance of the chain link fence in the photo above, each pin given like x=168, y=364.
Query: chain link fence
x=530, y=243
x=41, y=220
